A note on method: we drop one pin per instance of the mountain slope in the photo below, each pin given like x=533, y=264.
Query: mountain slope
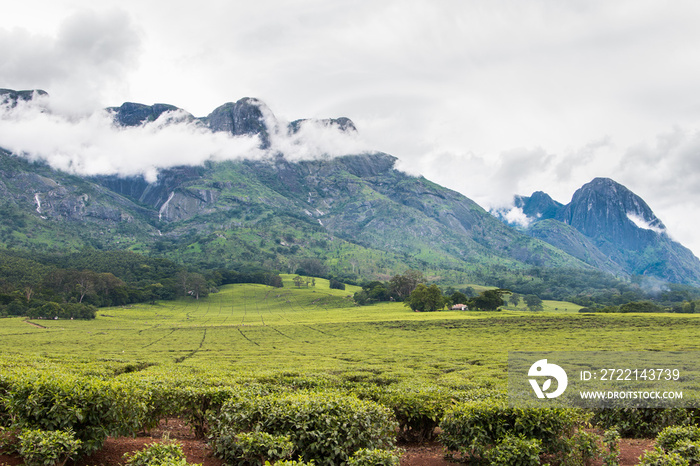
x=47, y=209
x=608, y=226
x=354, y=216
x=361, y=199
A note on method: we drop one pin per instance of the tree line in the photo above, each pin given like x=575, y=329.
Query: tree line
x=411, y=289
x=74, y=285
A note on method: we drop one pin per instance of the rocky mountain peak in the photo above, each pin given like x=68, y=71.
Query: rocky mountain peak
x=247, y=116
x=539, y=206
x=11, y=97
x=134, y=114
x=606, y=209
x=343, y=124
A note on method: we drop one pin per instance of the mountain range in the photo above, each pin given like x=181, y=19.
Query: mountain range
x=353, y=216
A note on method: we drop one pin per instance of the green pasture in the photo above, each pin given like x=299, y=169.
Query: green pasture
x=257, y=329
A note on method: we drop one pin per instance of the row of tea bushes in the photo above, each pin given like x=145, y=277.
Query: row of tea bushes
x=255, y=420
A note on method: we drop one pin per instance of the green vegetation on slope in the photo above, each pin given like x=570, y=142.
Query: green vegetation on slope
x=250, y=328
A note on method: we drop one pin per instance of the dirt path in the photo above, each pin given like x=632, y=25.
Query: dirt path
x=35, y=324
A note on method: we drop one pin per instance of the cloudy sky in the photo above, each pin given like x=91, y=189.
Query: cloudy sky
x=488, y=97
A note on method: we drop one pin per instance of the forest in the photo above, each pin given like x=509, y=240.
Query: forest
x=74, y=285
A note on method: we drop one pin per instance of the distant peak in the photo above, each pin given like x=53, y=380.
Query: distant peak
x=12, y=97
x=135, y=114
x=247, y=116
x=604, y=207
x=343, y=124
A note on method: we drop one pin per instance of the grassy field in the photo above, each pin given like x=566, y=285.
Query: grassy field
x=256, y=329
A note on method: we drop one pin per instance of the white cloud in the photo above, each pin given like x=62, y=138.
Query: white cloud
x=316, y=139
x=641, y=223
x=94, y=145
x=89, y=54
x=516, y=216
x=489, y=97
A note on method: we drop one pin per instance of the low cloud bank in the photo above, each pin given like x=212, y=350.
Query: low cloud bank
x=92, y=144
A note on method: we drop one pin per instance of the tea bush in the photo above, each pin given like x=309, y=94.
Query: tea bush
x=291, y=463
x=638, y=422
x=376, y=457
x=418, y=409
x=47, y=448
x=515, y=451
x=611, y=441
x=473, y=428
x=91, y=408
x=253, y=448
x=158, y=454
x=681, y=440
x=325, y=426
x=671, y=436
x=661, y=458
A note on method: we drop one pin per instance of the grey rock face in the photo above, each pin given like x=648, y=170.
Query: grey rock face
x=608, y=226
x=11, y=97
x=538, y=206
x=602, y=209
x=342, y=123
x=134, y=114
x=245, y=117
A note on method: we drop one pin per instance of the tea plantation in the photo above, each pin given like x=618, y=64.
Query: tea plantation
x=302, y=374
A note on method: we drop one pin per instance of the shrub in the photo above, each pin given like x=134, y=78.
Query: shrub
x=158, y=454
x=611, y=440
x=376, y=457
x=418, y=409
x=253, y=448
x=637, y=422
x=47, y=448
x=671, y=436
x=92, y=409
x=659, y=457
x=192, y=400
x=515, y=451
x=689, y=450
x=681, y=440
x=8, y=440
x=473, y=428
x=291, y=463
x=582, y=448
x=335, y=284
x=324, y=426
x=196, y=404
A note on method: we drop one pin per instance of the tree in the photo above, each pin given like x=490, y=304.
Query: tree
x=276, y=281
x=401, y=286
x=193, y=284
x=153, y=292
x=335, y=284
x=488, y=300
x=85, y=284
x=458, y=298
x=312, y=266
x=534, y=303
x=425, y=298
x=514, y=299
x=198, y=286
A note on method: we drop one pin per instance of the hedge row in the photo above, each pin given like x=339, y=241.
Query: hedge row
x=253, y=422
